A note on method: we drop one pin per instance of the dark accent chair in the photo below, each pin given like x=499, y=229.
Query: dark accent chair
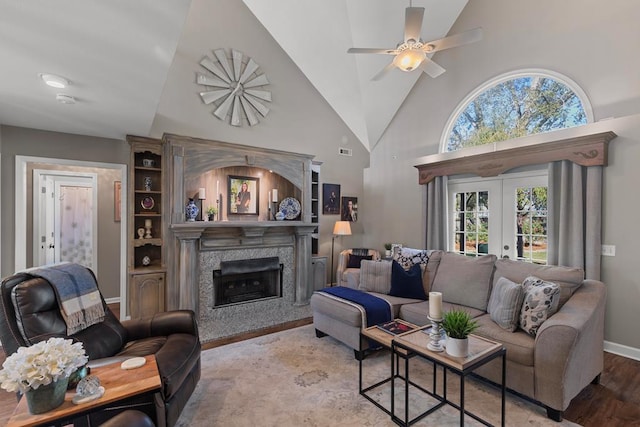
x=129, y=418
x=29, y=313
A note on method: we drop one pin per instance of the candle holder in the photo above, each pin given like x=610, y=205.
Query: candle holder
x=436, y=335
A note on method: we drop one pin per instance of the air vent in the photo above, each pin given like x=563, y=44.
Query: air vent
x=345, y=151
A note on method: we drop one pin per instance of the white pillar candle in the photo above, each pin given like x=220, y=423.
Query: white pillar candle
x=275, y=195
x=201, y=193
x=435, y=305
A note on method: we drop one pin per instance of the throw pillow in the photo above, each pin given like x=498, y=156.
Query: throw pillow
x=355, y=260
x=407, y=257
x=541, y=300
x=465, y=280
x=375, y=276
x=407, y=283
x=505, y=303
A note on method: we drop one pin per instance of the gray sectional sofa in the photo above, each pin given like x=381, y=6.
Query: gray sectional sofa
x=550, y=367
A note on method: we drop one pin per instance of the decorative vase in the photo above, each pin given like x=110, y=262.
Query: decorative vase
x=191, y=210
x=46, y=397
x=212, y=217
x=148, y=182
x=79, y=374
x=457, y=347
x=387, y=253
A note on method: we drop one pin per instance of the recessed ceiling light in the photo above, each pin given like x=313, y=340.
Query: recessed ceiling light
x=54, y=81
x=65, y=99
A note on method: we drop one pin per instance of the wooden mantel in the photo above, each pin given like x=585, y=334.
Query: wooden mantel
x=494, y=159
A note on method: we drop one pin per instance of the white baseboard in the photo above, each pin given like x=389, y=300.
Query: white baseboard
x=622, y=350
x=114, y=300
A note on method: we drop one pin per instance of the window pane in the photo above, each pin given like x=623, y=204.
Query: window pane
x=515, y=108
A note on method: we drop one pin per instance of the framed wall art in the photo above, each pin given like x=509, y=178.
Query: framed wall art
x=331, y=199
x=244, y=195
x=349, y=209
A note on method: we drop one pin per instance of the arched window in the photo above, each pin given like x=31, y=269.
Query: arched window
x=513, y=105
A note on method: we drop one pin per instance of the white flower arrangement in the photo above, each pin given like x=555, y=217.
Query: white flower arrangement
x=41, y=364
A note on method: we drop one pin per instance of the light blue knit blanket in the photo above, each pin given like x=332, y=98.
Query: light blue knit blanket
x=77, y=294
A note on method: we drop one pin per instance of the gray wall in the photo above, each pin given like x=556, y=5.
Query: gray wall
x=30, y=142
x=300, y=120
x=592, y=43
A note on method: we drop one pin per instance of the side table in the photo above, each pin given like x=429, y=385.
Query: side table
x=385, y=339
x=481, y=351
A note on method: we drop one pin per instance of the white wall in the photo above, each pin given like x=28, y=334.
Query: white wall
x=591, y=42
x=300, y=120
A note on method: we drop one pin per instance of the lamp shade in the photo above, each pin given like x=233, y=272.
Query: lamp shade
x=342, y=228
x=409, y=59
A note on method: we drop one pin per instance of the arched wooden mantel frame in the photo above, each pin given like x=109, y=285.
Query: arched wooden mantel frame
x=499, y=157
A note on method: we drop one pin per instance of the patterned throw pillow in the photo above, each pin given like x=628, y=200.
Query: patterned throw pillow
x=541, y=301
x=408, y=257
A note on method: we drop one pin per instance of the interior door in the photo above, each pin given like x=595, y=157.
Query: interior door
x=65, y=218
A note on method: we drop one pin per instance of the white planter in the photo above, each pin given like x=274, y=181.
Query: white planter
x=387, y=253
x=457, y=347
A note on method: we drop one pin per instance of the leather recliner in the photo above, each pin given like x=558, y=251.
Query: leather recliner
x=29, y=313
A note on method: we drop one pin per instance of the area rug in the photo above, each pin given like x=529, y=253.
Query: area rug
x=292, y=378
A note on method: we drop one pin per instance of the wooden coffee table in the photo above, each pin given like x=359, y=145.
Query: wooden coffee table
x=119, y=385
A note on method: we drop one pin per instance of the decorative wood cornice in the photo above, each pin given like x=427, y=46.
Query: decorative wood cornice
x=494, y=159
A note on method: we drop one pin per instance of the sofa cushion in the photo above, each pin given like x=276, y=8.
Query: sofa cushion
x=336, y=308
x=396, y=303
x=375, y=276
x=407, y=284
x=353, y=261
x=568, y=278
x=435, y=257
x=465, y=280
x=541, y=300
x=350, y=278
x=520, y=345
x=505, y=303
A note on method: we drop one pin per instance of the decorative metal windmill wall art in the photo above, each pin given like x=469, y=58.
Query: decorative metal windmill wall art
x=235, y=88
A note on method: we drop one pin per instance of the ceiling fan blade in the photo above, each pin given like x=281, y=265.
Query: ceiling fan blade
x=467, y=37
x=431, y=68
x=413, y=23
x=372, y=50
x=383, y=72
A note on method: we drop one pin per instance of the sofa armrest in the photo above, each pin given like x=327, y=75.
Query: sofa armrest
x=569, y=347
x=162, y=324
x=343, y=258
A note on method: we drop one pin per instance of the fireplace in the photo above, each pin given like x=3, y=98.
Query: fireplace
x=247, y=280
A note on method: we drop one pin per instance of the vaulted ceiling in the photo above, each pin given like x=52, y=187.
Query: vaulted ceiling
x=117, y=55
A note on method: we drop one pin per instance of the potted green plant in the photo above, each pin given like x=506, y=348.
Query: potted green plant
x=387, y=250
x=211, y=212
x=458, y=324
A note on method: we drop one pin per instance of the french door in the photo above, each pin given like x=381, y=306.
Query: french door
x=504, y=216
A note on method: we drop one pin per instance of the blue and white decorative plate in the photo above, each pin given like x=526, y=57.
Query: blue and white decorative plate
x=290, y=207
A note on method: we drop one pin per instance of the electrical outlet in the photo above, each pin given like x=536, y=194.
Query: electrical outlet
x=608, y=250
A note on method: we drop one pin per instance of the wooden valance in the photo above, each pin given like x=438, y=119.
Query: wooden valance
x=494, y=159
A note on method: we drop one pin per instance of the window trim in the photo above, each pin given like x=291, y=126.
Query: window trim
x=512, y=75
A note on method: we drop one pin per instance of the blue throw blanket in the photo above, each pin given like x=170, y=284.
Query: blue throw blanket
x=376, y=309
x=77, y=294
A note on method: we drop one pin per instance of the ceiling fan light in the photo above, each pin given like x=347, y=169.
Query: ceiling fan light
x=409, y=60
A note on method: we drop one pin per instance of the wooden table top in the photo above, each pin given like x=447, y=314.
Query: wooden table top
x=119, y=384
x=479, y=348
x=384, y=337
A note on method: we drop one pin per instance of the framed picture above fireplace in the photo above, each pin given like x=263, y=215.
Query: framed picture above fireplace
x=244, y=195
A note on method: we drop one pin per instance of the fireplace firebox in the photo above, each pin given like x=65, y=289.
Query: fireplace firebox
x=247, y=280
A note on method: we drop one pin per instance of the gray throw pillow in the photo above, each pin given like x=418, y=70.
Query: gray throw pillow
x=375, y=276
x=465, y=280
x=541, y=301
x=505, y=303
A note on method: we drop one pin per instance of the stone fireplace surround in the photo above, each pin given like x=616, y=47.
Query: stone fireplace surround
x=197, y=248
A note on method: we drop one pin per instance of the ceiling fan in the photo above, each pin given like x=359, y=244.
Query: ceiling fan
x=412, y=52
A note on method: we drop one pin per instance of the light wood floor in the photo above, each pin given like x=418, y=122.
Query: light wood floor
x=615, y=402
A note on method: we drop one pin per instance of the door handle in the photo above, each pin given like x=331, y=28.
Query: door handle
x=51, y=246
